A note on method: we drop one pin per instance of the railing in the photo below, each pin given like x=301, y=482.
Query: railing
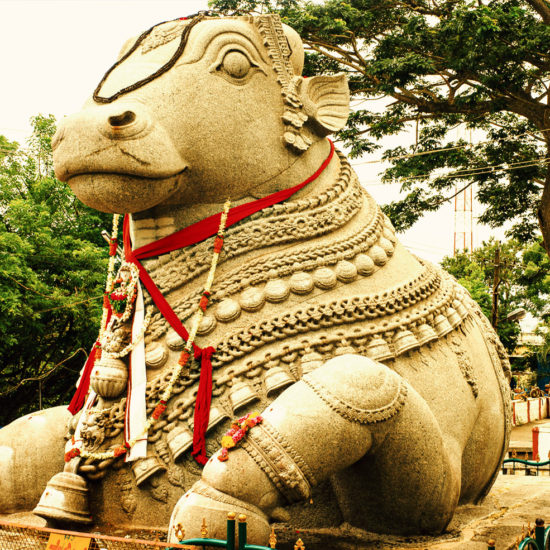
x=229, y=542
x=530, y=467
x=14, y=536
x=537, y=538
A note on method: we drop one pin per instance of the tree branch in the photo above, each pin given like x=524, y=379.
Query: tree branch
x=542, y=8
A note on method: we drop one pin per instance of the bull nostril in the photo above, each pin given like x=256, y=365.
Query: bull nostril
x=126, y=118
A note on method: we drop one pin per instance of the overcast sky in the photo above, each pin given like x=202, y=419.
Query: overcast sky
x=54, y=52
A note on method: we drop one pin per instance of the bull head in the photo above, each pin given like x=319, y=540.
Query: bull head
x=196, y=111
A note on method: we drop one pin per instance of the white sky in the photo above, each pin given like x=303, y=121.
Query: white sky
x=54, y=52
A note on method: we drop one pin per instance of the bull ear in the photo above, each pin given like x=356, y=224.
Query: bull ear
x=326, y=102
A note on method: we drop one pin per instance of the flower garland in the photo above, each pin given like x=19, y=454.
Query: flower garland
x=129, y=348
x=237, y=432
x=182, y=361
x=123, y=291
x=113, y=244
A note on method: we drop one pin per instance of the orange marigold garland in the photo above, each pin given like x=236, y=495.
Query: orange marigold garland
x=237, y=432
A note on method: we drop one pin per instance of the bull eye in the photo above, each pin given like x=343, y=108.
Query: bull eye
x=236, y=64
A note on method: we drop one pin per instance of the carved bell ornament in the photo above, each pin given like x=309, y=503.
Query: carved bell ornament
x=109, y=377
x=276, y=379
x=241, y=394
x=379, y=350
x=460, y=308
x=346, y=271
x=276, y=291
x=65, y=499
x=179, y=441
x=453, y=317
x=344, y=348
x=425, y=334
x=405, y=341
x=146, y=467
x=442, y=325
x=310, y=361
x=365, y=264
x=217, y=416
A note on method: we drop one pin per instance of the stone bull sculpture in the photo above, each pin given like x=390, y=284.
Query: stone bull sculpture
x=382, y=385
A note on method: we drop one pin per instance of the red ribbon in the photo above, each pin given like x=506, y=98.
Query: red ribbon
x=79, y=398
x=187, y=236
x=203, y=229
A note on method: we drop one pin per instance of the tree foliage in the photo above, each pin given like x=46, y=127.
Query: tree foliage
x=437, y=64
x=52, y=269
x=523, y=275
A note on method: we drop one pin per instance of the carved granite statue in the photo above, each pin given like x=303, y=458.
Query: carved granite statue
x=382, y=385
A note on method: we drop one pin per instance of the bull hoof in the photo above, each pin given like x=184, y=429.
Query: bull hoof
x=203, y=504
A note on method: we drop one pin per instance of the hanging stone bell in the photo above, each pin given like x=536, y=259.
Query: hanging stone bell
x=379, y=350
x=460, y=309
x=344, y=348
x=404, y=341
x=425, y=334
x=241, y=394
x=65, y=499
x=310, y=360
x=276, y=379
x=179, y=441
x=216, y=416
x=453, y=317
x=144, y=468
x=442, y=325
x=109, y=377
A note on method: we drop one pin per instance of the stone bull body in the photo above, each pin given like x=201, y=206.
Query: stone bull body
x=383, y=387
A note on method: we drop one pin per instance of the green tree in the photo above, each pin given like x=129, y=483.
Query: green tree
x=522, y=283
x=52, y=269
x=437, y=64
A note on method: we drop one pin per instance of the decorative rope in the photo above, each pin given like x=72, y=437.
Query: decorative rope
x=194, y=19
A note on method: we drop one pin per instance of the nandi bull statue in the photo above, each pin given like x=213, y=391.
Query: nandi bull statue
x=381, y=388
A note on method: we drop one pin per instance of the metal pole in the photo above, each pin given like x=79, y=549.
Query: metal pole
x=496, y=283
x=242, y=531
x=230, y=531
x=539, y=532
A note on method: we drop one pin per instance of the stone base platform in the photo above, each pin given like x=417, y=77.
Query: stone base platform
x=513, y=502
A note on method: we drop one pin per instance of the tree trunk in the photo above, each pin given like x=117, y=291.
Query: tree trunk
x=544, y=210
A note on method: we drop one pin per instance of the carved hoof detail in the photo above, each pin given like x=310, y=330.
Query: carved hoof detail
x=205, y=502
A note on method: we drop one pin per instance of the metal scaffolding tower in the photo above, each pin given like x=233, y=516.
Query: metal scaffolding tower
x=464, y=221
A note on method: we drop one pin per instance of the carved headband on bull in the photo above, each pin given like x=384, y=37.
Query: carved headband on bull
x=321, y=100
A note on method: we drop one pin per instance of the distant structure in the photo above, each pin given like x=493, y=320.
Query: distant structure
x=464, y=221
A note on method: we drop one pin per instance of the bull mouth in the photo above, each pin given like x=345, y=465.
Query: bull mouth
x=123, y=193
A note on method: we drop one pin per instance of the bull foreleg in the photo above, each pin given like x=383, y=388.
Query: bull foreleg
x=352, y=416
